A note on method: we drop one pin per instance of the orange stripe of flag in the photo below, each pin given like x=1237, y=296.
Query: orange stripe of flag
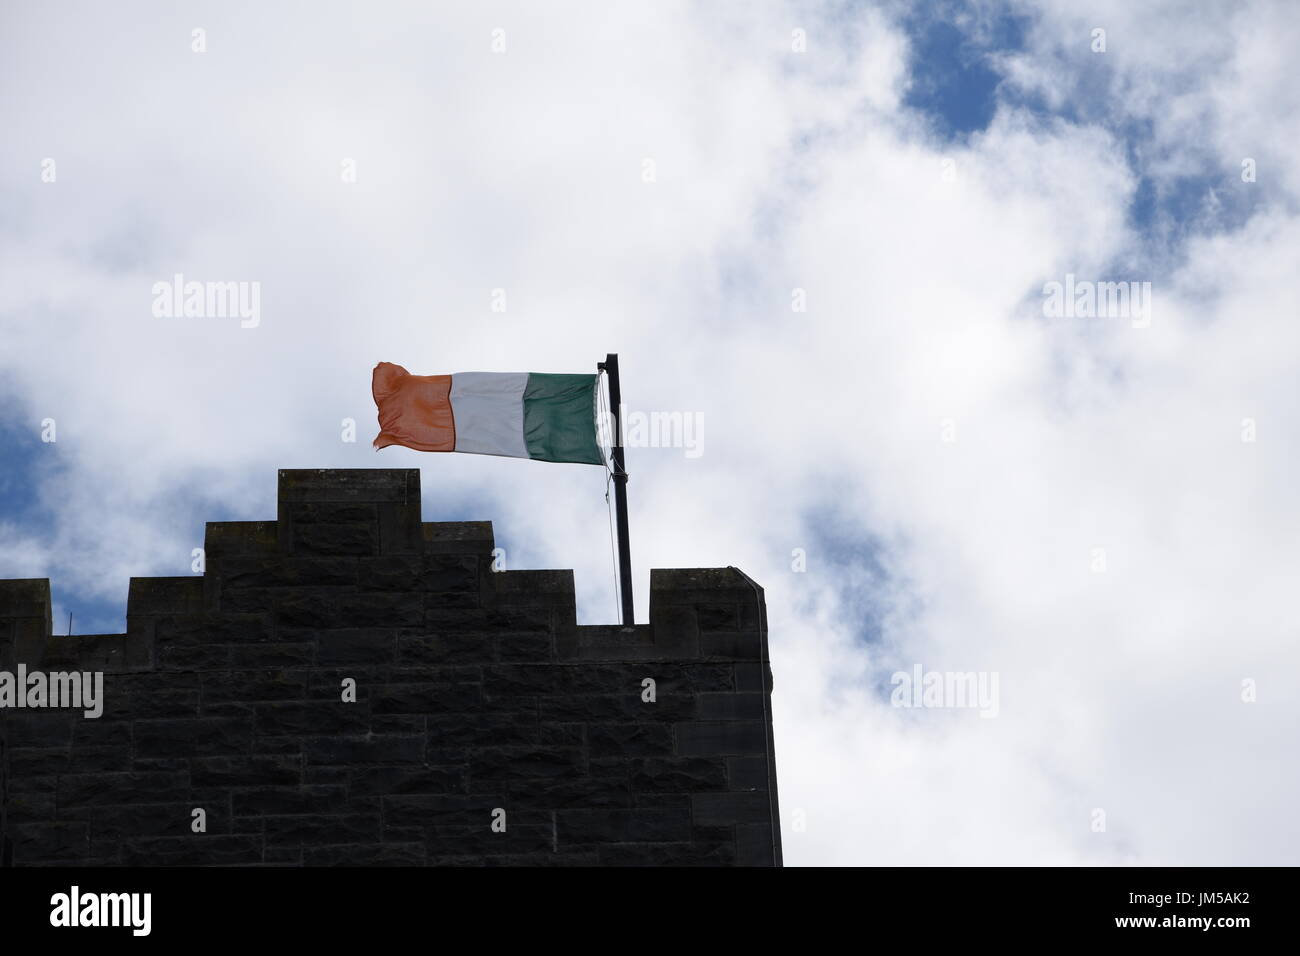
x=414, y=410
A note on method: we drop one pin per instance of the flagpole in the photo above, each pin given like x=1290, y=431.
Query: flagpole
x=610, y=368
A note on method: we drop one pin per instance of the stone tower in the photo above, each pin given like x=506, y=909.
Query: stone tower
x=349, y=685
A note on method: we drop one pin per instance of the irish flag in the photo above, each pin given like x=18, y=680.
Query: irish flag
x=515, y=414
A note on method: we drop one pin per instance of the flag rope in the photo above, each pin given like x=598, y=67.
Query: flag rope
x=609, y=476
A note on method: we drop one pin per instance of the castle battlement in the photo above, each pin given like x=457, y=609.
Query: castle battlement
x=476, y=699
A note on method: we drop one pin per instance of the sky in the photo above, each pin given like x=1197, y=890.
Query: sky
x=824, y=233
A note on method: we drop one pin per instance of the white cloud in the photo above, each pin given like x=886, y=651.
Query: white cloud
x=775, y=170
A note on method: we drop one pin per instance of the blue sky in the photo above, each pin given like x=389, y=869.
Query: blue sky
x=957, y=85
x=952, y=68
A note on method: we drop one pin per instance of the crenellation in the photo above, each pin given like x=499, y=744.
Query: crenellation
x=350, y=685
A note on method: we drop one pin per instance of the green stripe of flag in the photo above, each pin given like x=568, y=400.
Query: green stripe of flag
x=560, y=418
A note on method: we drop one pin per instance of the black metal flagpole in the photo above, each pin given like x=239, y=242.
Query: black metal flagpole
x=610, y=367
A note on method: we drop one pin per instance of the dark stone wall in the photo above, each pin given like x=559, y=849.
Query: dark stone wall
x=475, y=691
